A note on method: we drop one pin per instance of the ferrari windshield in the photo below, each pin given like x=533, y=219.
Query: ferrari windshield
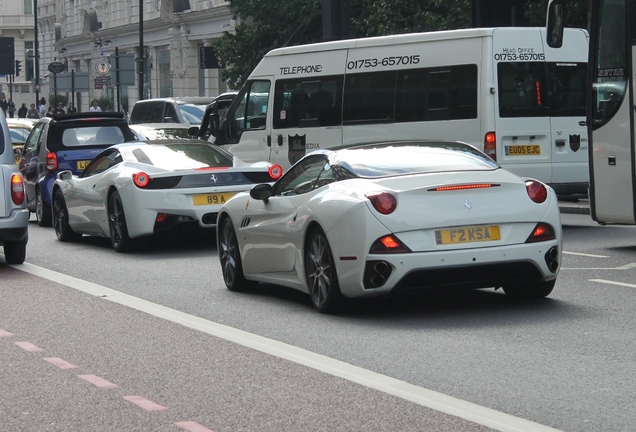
x=180, y=156
x=414, y=158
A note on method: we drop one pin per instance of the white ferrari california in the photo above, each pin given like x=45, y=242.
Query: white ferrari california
x=138, y=189
x=386, y=217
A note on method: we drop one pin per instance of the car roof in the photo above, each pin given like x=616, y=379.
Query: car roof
x=196, y=100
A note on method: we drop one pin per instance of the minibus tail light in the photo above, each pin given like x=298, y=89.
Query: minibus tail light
x=490, y=145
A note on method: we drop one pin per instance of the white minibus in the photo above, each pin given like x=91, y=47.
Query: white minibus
x=502, y=90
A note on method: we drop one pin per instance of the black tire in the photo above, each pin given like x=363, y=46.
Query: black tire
x=15, y=251
x=117, y=224
x=522, y=291
x=63, y=230
x=42, y=211
x=230, y=258
x=321, y=274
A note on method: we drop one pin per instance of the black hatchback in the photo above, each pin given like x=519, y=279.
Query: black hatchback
x=65, y=142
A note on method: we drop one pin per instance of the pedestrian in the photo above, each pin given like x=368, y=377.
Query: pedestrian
x=42, y=107
x=33, y=112
x=22, y=112
x=3, y=103
x=11, y=108
x=50, y=112
x=71, y=109
x=95, y=107
x=60, y=109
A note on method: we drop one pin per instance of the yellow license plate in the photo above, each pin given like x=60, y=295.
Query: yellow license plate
x=523, y=150
x=211, y=199
x=82, y=164
x=467, y=235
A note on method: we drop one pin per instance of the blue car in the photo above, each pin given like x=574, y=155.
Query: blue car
x=65, y=142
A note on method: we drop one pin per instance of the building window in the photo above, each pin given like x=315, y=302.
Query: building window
x=28, y=7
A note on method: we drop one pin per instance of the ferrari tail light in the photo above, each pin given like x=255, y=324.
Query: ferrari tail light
x=275, y=171
x=51, y=161
x=541, y=232
x=536, y=191
x=141, y=179
x=490, y=145
x=17, y=189
x=383, y=202
x=388, y=244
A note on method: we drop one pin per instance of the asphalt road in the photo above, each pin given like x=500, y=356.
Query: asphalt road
x=266, y=361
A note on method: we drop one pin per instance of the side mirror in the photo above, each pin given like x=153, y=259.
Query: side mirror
x=261, y=192
x=555, y=24
x=193, y=131
x=65, y=175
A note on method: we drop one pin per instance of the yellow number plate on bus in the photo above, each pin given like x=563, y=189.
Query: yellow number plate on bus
x=523, y=150
x=211, y=199
x=467, y=235
x=82, y=164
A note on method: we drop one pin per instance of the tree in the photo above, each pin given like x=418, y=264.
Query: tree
x=263, y=26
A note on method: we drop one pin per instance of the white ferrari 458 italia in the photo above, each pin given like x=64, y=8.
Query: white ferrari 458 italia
x=382, y=218
x=138, y=189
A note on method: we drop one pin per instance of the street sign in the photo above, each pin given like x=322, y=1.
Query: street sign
x=101, y=81
x=102, y=67
x=56, y=67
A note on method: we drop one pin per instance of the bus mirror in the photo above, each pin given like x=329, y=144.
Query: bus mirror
x=556, y=12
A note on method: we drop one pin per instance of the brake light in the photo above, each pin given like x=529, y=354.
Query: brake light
x=17, y=189
x=275, y=171
x=141, y=179
x=388, y=244
x=537, y=86
x=542, y=232
x=383, y=202
x=51, y=161
x=490, y=145
x=536, y=191
x=463, y=186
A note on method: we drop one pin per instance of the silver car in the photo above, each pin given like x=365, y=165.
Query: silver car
x=14, y=216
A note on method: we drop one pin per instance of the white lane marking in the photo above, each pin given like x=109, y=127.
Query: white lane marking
x=613, y=283
x=586, y=255
x=625, y=267
x=427, y=398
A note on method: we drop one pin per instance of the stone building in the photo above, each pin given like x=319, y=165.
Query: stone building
x=92, y=37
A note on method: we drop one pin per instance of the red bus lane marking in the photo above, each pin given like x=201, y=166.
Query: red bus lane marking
x=97, y=381
x=191, y=426
x=144, y=403
x=62, y=364
x=28, y=346
x=4, y=333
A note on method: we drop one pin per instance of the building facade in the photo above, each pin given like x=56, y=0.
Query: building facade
x=98, y=41
x=16, y=21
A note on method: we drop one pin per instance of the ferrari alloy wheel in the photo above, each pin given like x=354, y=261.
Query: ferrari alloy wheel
x=42, y=211
x=60, y=219
x=523, y=291
x=230, y=258
x=117, y=224
x=320, y=271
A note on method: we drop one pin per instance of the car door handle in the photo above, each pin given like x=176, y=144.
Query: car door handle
x=280, y=140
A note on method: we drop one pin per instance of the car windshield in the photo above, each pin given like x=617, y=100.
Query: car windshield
x=414, y=158
x=181, y=156
x=79, y=136
x=193, y=114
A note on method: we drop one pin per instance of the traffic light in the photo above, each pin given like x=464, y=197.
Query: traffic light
x=18, y=67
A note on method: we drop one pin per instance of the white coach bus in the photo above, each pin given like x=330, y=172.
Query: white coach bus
x=502, y=90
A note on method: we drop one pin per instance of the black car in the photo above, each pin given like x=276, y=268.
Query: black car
x=65, y=142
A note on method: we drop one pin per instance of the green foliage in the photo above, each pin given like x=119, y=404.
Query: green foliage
x=576, y=14
x=54, y=99
x=105, y=103
x=262, y=26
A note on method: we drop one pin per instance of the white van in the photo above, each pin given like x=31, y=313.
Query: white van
x=502, y=90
